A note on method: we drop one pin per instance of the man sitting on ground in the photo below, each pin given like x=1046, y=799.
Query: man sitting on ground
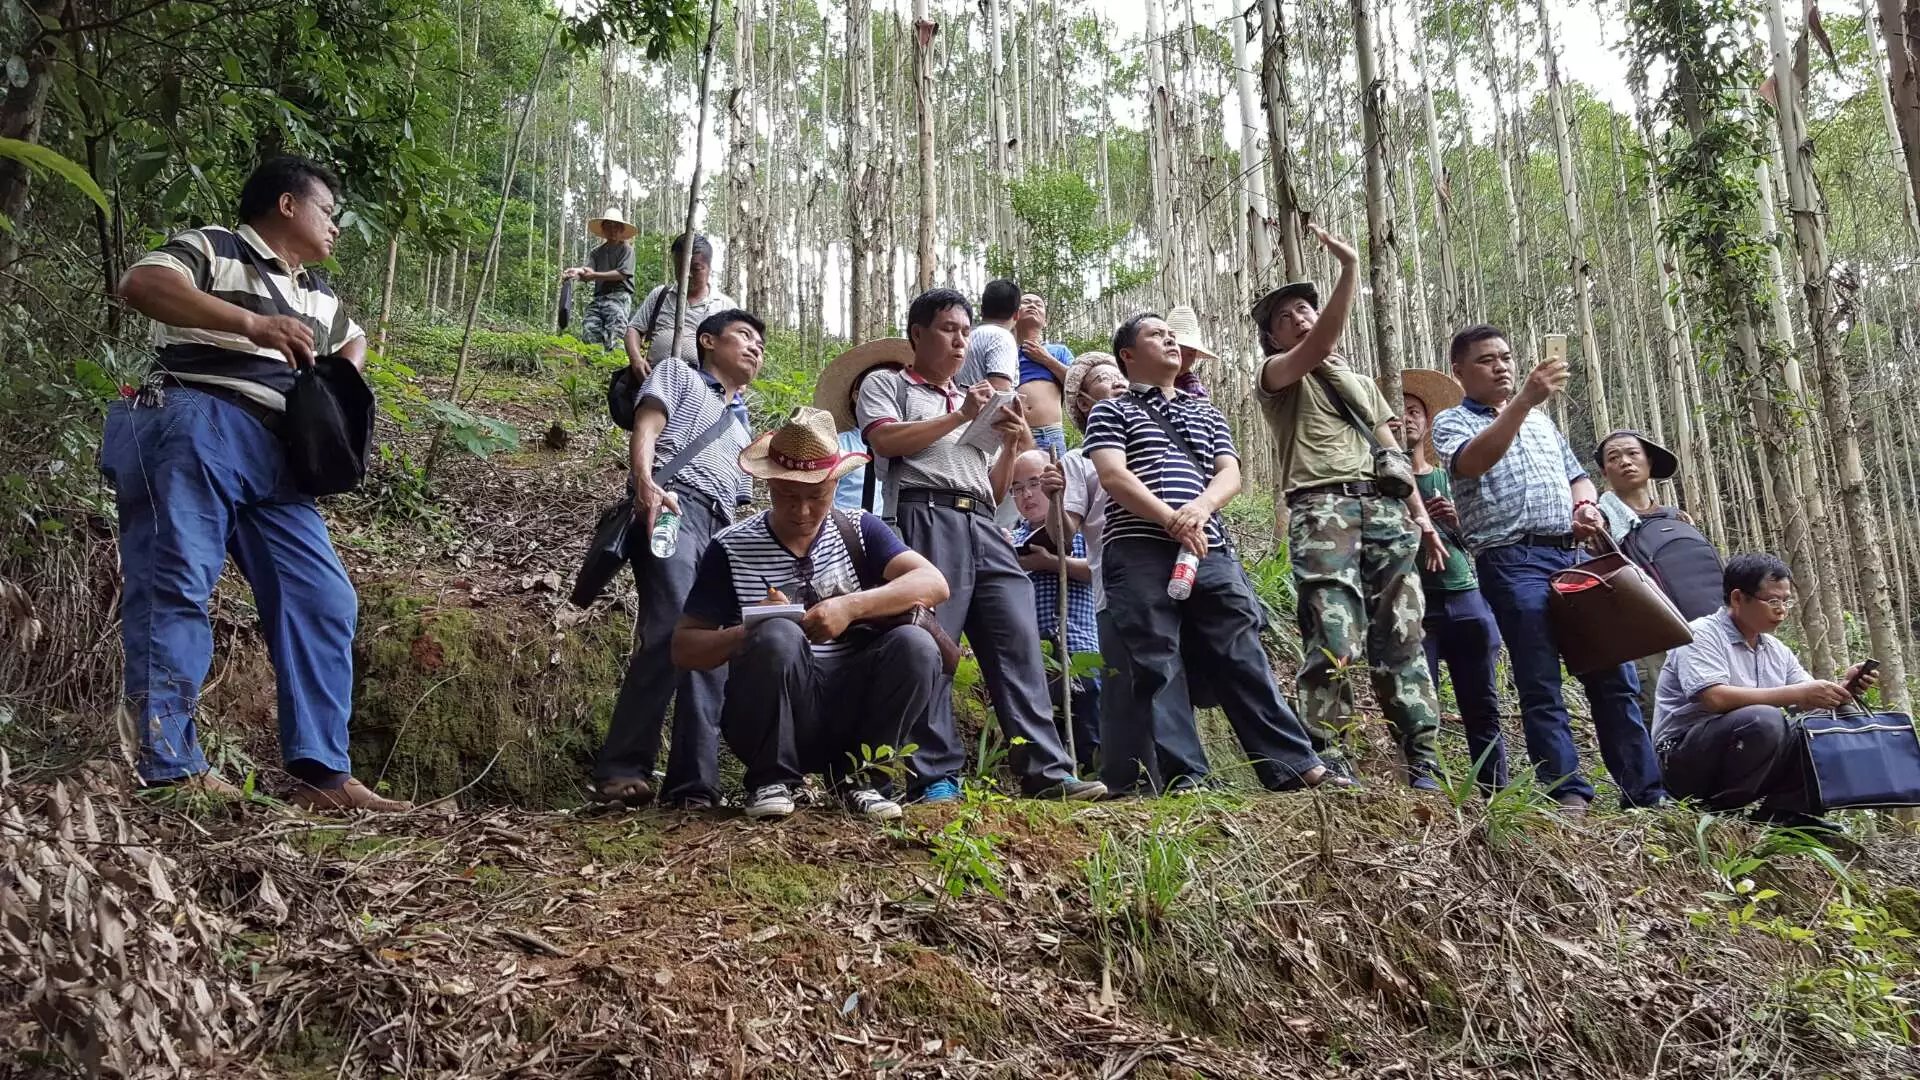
x=806, y=694
x=1040, y=557
x=1721, y=729
x=1166, y=496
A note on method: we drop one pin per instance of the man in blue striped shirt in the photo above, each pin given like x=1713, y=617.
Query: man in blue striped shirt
x=689, y=427
x=1167, y=463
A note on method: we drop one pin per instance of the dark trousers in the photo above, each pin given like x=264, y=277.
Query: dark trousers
x=1086, y=718
x=652, y=682
x=1223, y=612
x=990, y=600
x=790, y=712
x=1514, y=580
x=1739, y=758
x=1135, y=754
x=1461, y=632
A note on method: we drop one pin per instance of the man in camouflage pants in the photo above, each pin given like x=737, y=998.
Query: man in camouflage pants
x=610, y=269
x=1353, y=546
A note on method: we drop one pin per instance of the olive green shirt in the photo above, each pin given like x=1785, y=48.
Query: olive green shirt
x=1316, y=445
x=1457, y=575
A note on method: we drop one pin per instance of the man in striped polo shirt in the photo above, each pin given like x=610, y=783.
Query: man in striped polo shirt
x=807, y=693
x=689, y=426
x=944, y=490
x=1167, y=463
x=198, y=471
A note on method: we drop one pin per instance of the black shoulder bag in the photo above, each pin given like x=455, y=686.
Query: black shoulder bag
x=622, y=394
x=1392, y=469
x=328, y=429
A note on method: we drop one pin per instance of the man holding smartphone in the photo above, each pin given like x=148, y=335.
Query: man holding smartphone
x=1525, y=504
x=1721, y=725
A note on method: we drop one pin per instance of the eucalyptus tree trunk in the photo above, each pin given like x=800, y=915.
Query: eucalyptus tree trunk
x=858, y=173
x=1160, y=152
x=1273, y=87
x=1253, y=178
x=1506, y=139
x=924, y=29
x=1452, y=312
x=1383, y=268
x=1581, y=269
x=1002, y=231
x=746, y=217
x=1836, y=397
x=1900, y=30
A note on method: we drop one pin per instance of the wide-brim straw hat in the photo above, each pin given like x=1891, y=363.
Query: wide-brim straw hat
x=1263, y=307
x=840, y=381
x=805, y=449
x=1083, y=366
x=612, y=226
x=1185, y=324
x=1437, y=390
x=1661, y=462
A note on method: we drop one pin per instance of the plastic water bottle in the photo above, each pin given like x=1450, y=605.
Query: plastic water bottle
x=666, y=534
x=1180, y=585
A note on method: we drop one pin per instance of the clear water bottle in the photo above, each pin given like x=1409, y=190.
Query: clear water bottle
x=1180, y=585
x=666, y=534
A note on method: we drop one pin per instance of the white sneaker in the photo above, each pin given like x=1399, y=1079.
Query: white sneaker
x=872, y=805
x=774, y=800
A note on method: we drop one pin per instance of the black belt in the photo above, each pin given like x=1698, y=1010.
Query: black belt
x=270, y=418
x=1557, y=541
x=1360, y=489
x=952, y=500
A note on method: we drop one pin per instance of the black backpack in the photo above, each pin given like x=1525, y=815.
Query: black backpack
x=1682, y=562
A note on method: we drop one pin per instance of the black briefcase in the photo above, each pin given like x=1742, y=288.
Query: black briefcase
x=611, y=547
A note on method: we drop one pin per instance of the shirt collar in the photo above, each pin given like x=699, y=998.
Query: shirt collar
x=1148, y=390
x=1723, y=620
x=265, y=250
x=1475, y=406
x=713, y=384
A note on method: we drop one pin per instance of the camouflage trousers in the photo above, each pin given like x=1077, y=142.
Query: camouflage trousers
x=1359, y=601
x=606, y=321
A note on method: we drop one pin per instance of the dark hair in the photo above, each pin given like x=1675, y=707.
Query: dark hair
x=701, y=248
x=283, y=175
x=1746, y=573
x=1128, y=333
x=1000, y=299
x=931, y=303
x=717, y=323
x=1471, y=336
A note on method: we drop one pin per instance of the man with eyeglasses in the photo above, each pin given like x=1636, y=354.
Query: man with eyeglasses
x=1039, y=553
x=1525, y=504
x=1721, y=726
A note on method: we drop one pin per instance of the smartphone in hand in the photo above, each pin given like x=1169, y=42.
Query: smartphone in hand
x=1869, y=666
x=1556, y=348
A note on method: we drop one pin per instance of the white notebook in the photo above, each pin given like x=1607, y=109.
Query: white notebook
x=754, y=614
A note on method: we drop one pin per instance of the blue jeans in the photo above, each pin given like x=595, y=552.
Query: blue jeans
x=1460, y=630
x=1514, y=581
x=196, y=479
x=1051, y=435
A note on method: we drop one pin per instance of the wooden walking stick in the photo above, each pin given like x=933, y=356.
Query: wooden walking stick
x=1062, y=546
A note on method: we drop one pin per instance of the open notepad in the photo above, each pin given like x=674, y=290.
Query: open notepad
x=980, y=433
x=754, y=614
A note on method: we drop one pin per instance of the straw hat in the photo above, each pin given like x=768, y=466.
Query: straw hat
x=806, y=448
x=837, y=385
x=1185, y=324
x=1263, y=308
x=612, y=226
x=1078, y=371
x=1437, y=390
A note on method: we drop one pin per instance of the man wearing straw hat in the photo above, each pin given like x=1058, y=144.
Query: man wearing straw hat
x=943, y=485
x=1185, y=324
x=1459, y=626
x=817, y=691
x=1356, y=523
x=610, y=268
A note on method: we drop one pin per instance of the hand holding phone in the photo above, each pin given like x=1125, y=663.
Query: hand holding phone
x=1863, y=676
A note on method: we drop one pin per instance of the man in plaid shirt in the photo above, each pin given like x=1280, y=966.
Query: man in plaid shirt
x=1039, y=557
x=1525, y=504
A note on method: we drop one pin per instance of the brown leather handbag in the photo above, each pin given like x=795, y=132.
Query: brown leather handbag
x=1607, y=611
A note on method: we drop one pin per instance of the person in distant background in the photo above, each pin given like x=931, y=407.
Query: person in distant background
x=1038, y=551
x=610, y=268
x=1185, y=323
x=992, y=352
x=1661, y=539
x=1043, y=368
x=650, y=332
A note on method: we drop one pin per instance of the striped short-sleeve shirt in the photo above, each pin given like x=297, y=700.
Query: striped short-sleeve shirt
x=694, y=401
x=1123, y=423
x=890, y=395
x=213, y=260
x=653, y=319
x=747, y=560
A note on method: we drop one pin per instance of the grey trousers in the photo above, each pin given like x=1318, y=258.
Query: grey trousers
x=1222, y=612
x=990, y=600
x=790, y=712
x=652, y=682
x=1735, y=759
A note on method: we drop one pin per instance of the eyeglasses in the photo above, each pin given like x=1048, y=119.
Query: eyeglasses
x=1777, y=603
x=801, y=588
x=1020, y=487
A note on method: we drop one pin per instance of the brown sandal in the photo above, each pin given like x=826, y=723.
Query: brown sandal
x=625, y=790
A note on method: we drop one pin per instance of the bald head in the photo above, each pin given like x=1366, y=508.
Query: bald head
x=1025, y=487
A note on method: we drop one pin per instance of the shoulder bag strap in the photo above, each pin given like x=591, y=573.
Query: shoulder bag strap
x=671, y=469
x=1345, y=407
x=856, y=550
x=1157, y=410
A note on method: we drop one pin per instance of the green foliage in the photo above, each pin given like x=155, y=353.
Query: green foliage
x=481, y=436
x=1063, y=239
x=45, y=160
x=1136, y=879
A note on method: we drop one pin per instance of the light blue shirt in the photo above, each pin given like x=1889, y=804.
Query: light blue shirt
x=1718, y=656
x=846, y=495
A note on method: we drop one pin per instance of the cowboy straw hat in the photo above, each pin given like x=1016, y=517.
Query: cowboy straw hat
x=805, y=449
x=840, y=380
x=1437, y=390
x=1082, y=367
x=612, y=221
x=1185, y=324
x=1263, y=307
